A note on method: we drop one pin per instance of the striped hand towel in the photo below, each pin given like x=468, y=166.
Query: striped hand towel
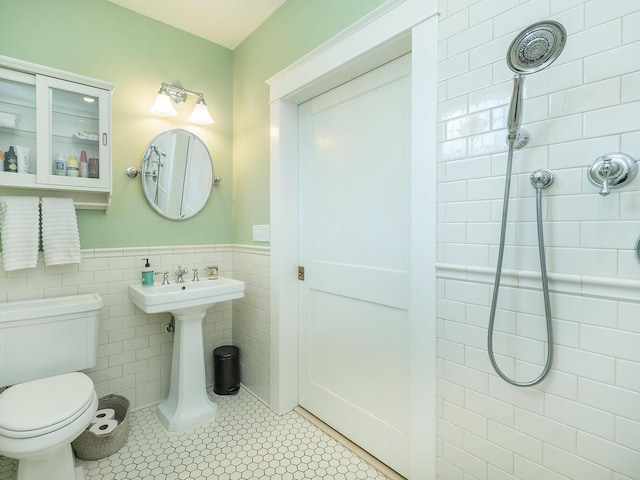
x=19, y=222
x=60, y=238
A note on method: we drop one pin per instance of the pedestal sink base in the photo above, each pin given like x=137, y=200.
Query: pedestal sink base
x=174, y=421
x=188, y=403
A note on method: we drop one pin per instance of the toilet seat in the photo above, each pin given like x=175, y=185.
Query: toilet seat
x=42, y=406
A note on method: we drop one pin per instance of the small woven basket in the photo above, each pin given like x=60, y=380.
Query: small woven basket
x=89, y=446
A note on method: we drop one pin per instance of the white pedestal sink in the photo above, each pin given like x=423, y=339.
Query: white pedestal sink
x=188, y=403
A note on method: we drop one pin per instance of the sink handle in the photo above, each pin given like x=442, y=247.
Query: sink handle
x=195, y=275
x=165, y=277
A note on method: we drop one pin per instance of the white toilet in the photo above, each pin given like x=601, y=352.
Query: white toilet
x=43, y=344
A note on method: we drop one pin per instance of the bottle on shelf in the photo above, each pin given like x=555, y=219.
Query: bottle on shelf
x=73, y=167
x=60, y=165
x=23, y=158
x=94, y=168
x=11, y=161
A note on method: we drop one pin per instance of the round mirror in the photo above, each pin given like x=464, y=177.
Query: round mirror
x=177, y=174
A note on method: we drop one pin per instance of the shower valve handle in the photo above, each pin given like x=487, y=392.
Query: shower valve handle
x=612, y=171
x=606, y=170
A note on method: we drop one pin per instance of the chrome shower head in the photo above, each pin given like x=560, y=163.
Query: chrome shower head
x=535, y=48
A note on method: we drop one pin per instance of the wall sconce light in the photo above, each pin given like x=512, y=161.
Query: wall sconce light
x=171, y=93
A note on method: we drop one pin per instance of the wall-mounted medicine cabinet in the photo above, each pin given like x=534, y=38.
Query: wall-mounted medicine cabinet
x=55, y=134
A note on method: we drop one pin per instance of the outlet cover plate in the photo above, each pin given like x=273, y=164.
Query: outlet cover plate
x=261, y=233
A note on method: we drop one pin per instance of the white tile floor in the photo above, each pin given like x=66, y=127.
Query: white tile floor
x=245, y=441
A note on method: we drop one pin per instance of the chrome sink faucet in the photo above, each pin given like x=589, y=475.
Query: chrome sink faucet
x=180, y=272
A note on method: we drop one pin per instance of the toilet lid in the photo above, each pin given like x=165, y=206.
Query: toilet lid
x=42, y=406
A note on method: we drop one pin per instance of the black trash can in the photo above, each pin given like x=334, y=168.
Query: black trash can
x=226, y=370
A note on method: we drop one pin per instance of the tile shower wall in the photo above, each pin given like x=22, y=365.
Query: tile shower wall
x=134, y=349
x=583, y=422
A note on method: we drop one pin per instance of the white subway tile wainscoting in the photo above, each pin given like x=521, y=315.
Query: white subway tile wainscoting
x=134, y=348
x=251, y=321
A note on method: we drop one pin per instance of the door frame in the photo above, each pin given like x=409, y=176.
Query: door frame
x=395, y=28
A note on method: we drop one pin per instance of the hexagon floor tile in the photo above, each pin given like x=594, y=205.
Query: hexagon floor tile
x=245, y=441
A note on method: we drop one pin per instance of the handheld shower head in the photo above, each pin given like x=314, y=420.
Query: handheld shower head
x=534, y=49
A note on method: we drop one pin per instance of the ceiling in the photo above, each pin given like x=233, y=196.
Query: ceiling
x=225, y=22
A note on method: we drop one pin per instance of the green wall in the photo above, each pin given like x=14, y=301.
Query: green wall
x=102, y=40
x=293, y=30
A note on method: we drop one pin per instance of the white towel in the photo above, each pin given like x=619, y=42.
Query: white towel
x=19, y=222
x=84, y=135
x=60, y=238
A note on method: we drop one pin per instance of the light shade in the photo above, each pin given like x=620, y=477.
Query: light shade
x=201, y=113
x=162, y=105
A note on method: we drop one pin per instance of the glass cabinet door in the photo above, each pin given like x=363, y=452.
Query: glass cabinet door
x=17, y=128
x=74, y=133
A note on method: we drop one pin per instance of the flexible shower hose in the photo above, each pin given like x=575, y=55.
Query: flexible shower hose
x=545, y=283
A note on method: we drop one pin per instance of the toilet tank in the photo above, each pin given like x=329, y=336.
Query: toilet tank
x=42, y=338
